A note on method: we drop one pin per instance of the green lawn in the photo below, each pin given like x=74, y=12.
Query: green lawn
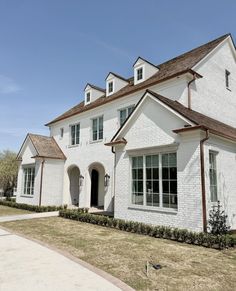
x=5, y=210
x=124, y=255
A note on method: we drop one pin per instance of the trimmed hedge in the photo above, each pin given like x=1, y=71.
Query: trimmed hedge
x=34, y=208
x=180, y=235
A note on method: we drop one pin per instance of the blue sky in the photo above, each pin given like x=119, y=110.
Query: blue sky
x=49, y=49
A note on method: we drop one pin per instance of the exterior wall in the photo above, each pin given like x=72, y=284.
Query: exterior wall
x=27, y=160
x=226, y=170
x=210, y=93
x=52, y=187
x=189, y=213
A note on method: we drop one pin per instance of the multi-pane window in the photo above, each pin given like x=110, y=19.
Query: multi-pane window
x=137, y=180
x=29, y=174
x=139, y=74
x=74, y=134
x=169, y=180
x=110, y=87
x=213, y=176
x=88, y=97
x=97, y=128
x=154, y=180
x=124, y=113
x=227, y=79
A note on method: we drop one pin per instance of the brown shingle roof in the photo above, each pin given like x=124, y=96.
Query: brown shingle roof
x=172, y=68
x=95, y=87
x=214, y=126
x=46, y=147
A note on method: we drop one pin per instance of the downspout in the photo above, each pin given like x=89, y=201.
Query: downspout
x=114, y=177
x=41, y=182
x=203, y=182
x=189, y=91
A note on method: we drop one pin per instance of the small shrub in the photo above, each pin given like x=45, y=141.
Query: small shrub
x=218, y=220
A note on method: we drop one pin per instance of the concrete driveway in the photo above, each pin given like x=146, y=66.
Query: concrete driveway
x=27, y=265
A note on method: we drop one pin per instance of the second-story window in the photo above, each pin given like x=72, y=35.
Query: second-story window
x=110, y=87
x=74, y=134
x=88, y=97
x=97, y=128
x=227, y=79
x=139, y=74
x=61, y=132
x=124, y=113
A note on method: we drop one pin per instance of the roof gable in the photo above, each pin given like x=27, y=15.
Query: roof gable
x=170, y=69
x=45, y=147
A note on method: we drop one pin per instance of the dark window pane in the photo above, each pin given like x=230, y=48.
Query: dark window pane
x=155, y=173
x=165, y=173
x=149, y=174
x=166, y=200
x=134, y=174
x=140, y=174
x=140, y=186
x=149, y=186
x=148, y=161
x=173, y=187
x=173, y=173
x=155, y=186
x=165, y=186
x=149, y=199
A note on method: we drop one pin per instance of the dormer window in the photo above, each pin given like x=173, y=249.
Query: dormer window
x=110, y=87
x=88, y=97
x=143, y=70
x=227, y=79
x=139, y=74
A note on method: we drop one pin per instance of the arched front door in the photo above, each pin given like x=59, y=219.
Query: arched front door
x=94, y=187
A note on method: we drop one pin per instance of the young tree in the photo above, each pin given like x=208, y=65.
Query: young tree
x=8, y=171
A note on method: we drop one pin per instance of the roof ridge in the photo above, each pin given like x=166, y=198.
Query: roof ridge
x=196, y=48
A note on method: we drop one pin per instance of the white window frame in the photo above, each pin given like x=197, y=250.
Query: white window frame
x=125, y=108
x=70, y=142
x=145, y=206
x=215, y=154
x=98, y=139
x=113, y=87
x=136, y=74
x=24, y=193
x=88, y=93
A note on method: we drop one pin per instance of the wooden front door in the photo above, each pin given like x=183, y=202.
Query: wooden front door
x=94, y=188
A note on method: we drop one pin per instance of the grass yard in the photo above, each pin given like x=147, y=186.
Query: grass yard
x=5, y=210
x=124, y=255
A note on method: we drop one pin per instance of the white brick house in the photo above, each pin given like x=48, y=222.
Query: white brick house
x=159, y=147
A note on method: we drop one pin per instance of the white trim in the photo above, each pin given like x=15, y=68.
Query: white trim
x=91, y=127
x=158, y=101
x=136, y=74
x=76, y=144
x=113, y=87
x=195, y=67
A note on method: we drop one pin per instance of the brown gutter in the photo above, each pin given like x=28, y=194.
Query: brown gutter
x=41, y=182
x=203, y=182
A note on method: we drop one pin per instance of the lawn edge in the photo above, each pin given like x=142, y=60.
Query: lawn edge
x=110, y=278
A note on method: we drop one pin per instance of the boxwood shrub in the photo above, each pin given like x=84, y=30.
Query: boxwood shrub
x=34, y=208
x=166, y=232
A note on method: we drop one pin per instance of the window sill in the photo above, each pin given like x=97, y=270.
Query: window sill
x=27, y=196
x=153, y=209
x=73, y=146
x=95, y=141
x=228, y=89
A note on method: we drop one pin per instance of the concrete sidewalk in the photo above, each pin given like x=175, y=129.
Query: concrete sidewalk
x=28, y=216
x=28, y=266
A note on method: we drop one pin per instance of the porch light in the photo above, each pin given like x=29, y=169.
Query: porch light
x=106, y=180
x=81, y=180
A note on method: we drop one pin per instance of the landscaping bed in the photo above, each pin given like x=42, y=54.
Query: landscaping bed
x=180, y=235
x=124, y=255
x=33, y=208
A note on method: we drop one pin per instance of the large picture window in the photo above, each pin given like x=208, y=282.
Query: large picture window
x=154, y=180
x=97, y=127
x=213, y=176
x=29, y=174
x=74, y=134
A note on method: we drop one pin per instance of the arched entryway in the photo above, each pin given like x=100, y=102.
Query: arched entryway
x=97, y=193
x=74, y=178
